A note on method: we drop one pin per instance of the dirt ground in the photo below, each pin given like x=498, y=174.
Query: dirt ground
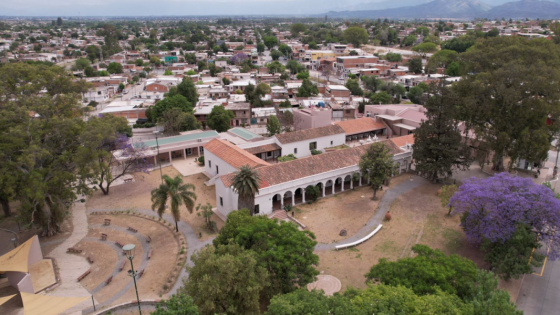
x=136, y=195
x=160, y=266
x=417, y=217
x=348, y=210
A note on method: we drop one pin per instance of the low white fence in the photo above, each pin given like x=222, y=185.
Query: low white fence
x=370, y=235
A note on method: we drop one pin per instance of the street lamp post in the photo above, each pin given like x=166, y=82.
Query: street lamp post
x=159, y=158
x=129, y=250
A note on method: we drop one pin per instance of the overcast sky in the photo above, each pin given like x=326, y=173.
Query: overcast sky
x=166, y=7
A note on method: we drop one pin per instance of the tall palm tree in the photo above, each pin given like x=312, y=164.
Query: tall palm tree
x=178, y=193
x=246, y=183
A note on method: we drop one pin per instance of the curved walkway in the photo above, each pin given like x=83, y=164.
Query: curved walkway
x=384, y=206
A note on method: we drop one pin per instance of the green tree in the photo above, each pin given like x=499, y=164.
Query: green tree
x=93, y=52
x=425, y=48
x=270, y=41
x=283, y=250
x=447, y=191
x=302, y=75
x=285, y=49
x=177, y=304
x=428, y=272
x=486, y=299
x=459, y=44
x=177, y=193
x=393, y=57
x=297, y=28
x=207, y=213
x=354, y=87
x=312, y=192
x=438, y=145
x=246, y=183
x=114, y=67
x=454, y=69
x=173, y=119
x=294, y=66
x=121, y=87
x=167, y=72
x=59, y=21
x=381, y=98
x=356, y=36
x=226, y=279
x=190, y=123
x=139, y=62
x=372, y=83
x=81, y=64
x=307, y=89
x=415, y=95
x=44, y=165
x=441, y=59
x=527, y=96
x=220, y=119
x=275, y=67
x=273, y=126
x=415, y=65
x=260, y=48
x=377, y=165
x=176, y=101
x=409, y=40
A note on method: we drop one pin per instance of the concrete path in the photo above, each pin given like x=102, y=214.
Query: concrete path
x=377, y=218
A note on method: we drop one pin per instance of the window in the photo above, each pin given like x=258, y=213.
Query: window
x=221, y=201
x=313, y=145
x=347, y=111
x=295, y=150
x=331, y=142
x=257, y=209
x=189, y=151
x=217, y=170
x=209, y=164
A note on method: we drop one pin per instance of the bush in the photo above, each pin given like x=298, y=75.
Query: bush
x=201, y=159
x=286, y=158
x=312, y=192
x=145, y=125
x=315, y=152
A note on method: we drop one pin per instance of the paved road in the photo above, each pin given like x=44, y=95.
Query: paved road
x=540, y=295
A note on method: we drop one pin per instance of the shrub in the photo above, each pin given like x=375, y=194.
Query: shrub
x=201, y=159
x=312, y=192
x=286, y=158
x=315, y=152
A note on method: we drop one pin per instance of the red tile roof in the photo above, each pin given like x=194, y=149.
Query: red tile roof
x=232, y=154
x=307, y=134
x=316, y=164
x=402, y=141
x=360, y=125
x=263, y=148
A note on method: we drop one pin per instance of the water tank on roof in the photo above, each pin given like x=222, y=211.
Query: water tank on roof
x=321, y=104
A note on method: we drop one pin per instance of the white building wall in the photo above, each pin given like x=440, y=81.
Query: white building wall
x=210, y=163
x=303, y=146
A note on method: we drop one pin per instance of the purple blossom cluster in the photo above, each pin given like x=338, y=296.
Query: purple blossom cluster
x=238, y=58
x=493, y=208
x=136, y=155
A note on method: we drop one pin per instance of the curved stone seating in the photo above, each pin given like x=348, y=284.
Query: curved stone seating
x=370, y=235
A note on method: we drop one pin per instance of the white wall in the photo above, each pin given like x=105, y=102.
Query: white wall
x=303, y=146
x=223, y=167
x=228, y=196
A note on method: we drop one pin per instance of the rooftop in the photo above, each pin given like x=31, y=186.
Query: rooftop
x=307, y=134
x=244, y=133
x=232, y=154
x=181, y=138
x=360, y=125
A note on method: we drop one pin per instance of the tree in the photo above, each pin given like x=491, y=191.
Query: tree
x=44, y=165
x=283, y=250
x=313, y=45
x=453, y=70
x=425, y=48
x=177, y=193
x=110, y=153
x=377, y=165
x=447, y=191
x=139, y=62
x=285, y=49
x=372, y=83
x=302, y=75
x=354, y=87
x=93, y=52
x=312, y=192
x=381, y=98
x=441, y=59
x=207, y=213
x=190, y=123
x=260, y=48
x=494, y=209
x=114, y=67
x=294, y=66
x=226, y=279
x=393, y=57
x=187, y=88
x=167, y=72
x=81, y=64
x=459, y=44
x=275, y=66
x=177, y=304
x=327, y=72
x=455, y=274
x=176, y=101
x=297, y=28
x=415, y=65
x=121, y=87
x=270, y=41
x=246, y=184
x=225, y=81
x=356, y=36
x=487, y=299
x=273, y=126
x=438, y=145
x=173, y=119
x=409, y=40
x=213, y=69
x=59, y=21
x=202, y=64
x=415, y=95
x=220, y=119
x=516, y=99
x=307, y=89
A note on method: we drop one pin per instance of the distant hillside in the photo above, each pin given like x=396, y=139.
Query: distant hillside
x=434, y=9
x=525, y=9
x=380, y=5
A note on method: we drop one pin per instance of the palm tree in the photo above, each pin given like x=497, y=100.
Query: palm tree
x=177, y=192
x=246, y=183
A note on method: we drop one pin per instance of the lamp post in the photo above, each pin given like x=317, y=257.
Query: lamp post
x=156, y=133
x=129, y=250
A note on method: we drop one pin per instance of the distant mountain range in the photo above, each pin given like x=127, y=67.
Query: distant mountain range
x=462, y=9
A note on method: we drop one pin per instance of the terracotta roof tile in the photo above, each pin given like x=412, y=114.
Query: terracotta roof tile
x=307, y=134
x=402, y=141
x=360, y=125
x=232, y=154
x=316, y=164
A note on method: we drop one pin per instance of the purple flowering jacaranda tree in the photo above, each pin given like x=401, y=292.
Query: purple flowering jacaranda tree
x=494, y=207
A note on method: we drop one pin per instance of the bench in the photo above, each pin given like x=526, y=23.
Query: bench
x=141, y=273
x=73, y=250
x=148, y=239
x=132, y=229
x=103, y=236
x=122, y=265
x=150, y=253
x=119, y=244
x=107, y=222
x=90, y=259
x=128, y=180
x=109, y=280
x=83, y=275
x=370, y=235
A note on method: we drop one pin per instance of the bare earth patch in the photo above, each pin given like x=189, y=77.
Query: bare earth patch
x=136, y=195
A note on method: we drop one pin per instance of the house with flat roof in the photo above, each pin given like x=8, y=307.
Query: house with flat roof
x=401, y=119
